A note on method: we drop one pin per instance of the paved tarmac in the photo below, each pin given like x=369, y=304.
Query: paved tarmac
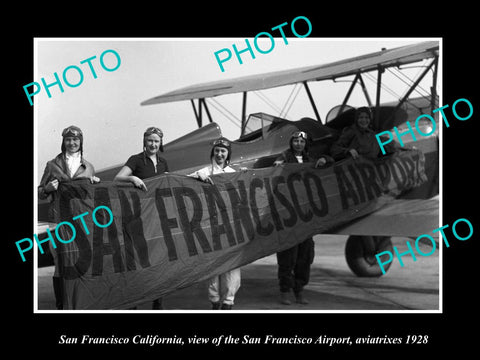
x=332, y=287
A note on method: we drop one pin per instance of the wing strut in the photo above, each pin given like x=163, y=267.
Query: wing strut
x=206, y=109
x=414, y=85
x=244, y=113
x=377, y=101
x=317, y=115
x=349, y=92
x=198, y=114
x=433, y=100
x=364, y=88
x=357, y=78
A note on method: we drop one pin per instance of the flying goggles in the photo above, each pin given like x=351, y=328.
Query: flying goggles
x=301, y=134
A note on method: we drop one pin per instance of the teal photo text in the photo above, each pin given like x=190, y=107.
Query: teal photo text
x=73, y=75
x=466, y=113
x=225, y=54
x=466, y=232
x=66, y=228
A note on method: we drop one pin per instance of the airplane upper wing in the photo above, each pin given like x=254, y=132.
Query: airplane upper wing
x=385, y=58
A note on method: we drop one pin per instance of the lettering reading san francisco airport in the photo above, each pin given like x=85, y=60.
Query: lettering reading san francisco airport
x=212, y=218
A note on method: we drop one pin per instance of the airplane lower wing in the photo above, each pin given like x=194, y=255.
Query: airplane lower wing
x=401, y=217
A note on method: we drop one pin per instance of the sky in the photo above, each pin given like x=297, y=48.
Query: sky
x=108, y=110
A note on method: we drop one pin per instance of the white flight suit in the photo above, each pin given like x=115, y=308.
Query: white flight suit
x=221, y=288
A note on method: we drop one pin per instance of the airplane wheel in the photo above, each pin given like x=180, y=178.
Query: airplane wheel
x=360, y=254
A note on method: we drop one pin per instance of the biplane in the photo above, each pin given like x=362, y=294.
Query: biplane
x=264, y=136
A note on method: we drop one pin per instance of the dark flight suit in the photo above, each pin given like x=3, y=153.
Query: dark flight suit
x=294, y=263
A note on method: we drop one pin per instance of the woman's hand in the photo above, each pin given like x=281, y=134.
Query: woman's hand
x=51, y=186
x=320, y=162
x=94, y=180
x=138, y=183
x=354, y=153
x=205, y=178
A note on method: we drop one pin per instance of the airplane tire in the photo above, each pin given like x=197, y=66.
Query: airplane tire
x=360, y=254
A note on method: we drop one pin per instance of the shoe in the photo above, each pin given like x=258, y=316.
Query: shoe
x=300, y=299
x=58, y=291
x=284, y=298
x=226, y=307
x=216, y=305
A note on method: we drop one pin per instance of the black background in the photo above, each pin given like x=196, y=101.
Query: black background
x=25, y=331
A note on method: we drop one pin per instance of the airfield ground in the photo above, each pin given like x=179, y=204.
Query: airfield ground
x=332, y=287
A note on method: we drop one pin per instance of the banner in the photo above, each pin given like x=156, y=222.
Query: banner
x=182, y=230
